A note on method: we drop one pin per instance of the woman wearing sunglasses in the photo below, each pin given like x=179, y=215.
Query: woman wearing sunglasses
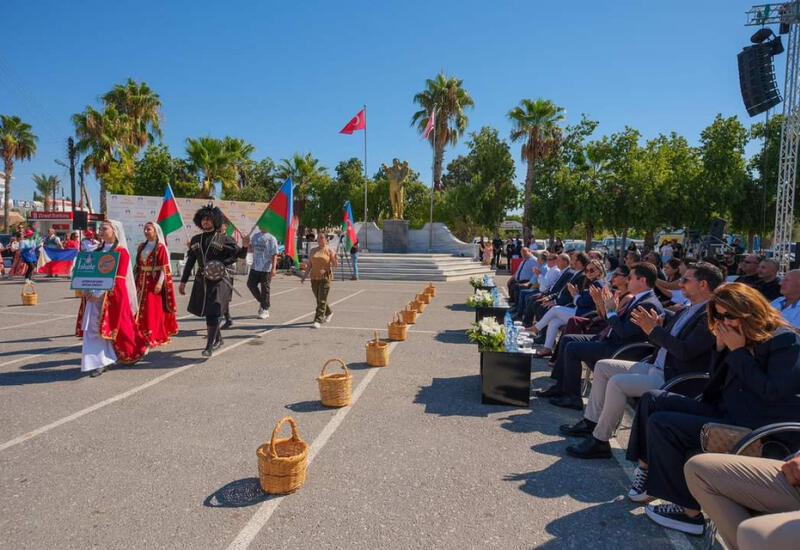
x=755, y=380
x=557, y=316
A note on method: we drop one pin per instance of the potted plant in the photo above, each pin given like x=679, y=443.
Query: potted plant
x=481, y=298
x=476, y=282
x=488, y=334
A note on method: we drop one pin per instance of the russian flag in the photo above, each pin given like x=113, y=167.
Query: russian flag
x=57, y=261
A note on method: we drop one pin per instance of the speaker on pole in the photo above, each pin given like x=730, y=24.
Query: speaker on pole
x=757, y=77
x=80, y=220
x=717, y=230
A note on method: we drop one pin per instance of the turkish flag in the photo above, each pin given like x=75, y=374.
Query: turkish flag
x=429, y=126
x=358, y=122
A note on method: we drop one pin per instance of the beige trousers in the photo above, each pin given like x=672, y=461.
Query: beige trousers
x=615, y=380
x=732, y=489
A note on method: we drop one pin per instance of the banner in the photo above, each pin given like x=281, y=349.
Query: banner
x=95, y=271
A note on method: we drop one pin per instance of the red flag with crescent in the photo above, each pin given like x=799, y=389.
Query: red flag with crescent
x=429, y=126
x=358, y=122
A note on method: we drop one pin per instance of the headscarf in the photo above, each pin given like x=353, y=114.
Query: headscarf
x=130, y=284
x=160, y=237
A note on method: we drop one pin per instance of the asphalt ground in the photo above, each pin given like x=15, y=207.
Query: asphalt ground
x=162, y=454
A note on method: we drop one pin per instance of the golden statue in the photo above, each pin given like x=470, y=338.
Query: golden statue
x=396, y=175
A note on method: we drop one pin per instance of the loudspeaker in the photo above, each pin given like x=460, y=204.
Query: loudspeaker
x=80, y=221
x=757, y=78
x=795, y=264
x=717, y=230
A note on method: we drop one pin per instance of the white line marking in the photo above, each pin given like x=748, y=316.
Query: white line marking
x=58, y=350
x=52, y=318
x=265, y=511
x=153, y=382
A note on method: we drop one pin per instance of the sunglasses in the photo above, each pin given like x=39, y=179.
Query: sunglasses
x=722, y=316
x=685, y=279
x=617, y=274
x=591, y=271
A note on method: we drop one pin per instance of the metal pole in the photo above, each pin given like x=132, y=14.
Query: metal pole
x=433, y=183
x=71, y=151
x=366, y=229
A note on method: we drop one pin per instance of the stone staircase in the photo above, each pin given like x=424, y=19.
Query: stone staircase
x=412, y=267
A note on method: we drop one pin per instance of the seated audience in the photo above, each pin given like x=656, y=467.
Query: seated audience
x=523, y=274
x=755, y=380
x=632, y=257
x=621, y=330
x=533, y=303
x=748, y=268
x=768, y=282
x=685, y=344
x=753, y=502
x=787, y=304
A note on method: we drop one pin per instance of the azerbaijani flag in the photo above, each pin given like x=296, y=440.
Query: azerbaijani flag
x=233, y=231
x=278, y=219
x=347, y=226
x=169, y=218
x=56, y=261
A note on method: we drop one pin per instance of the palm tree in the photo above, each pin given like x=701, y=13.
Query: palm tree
x=47, y=186
x=241, y=151
x=446, y=95
x=17, y=143
x=537, y=123
x=215, y=160
x=142, y=105
x=302, y=169
x=105, y=137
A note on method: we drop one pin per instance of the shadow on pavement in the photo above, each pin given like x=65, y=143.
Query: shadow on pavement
x=606, y=525
x=459, y=307
x=308, y=406
x=39, y=339
x=237, y=494
x=21, y=378
x=459, y=396
x=452, y=337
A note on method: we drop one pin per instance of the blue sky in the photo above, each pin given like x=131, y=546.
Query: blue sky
x=287, y=77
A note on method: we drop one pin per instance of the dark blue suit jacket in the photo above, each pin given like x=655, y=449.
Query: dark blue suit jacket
x=623, y=329
x=561, y=283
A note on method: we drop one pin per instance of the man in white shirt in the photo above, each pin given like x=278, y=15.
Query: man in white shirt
x=789, y=302
x=553, y=273
x=265, y=262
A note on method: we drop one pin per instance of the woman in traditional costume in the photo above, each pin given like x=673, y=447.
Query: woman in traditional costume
x=17, y=265
x=106, y=319
x=213, y=252
x=156, y=319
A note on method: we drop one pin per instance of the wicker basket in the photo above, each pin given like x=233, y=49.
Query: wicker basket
x=29, y=296
x=424, y=298
x=417, y=306
x=282, y=462
x=430, y=290
x=377, y=352
x=410, y=315
x=335, y=389
x=398, y=329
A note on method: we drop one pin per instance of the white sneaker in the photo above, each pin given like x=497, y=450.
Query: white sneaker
x=316, y=325
x=263, y=313
x=329, y=317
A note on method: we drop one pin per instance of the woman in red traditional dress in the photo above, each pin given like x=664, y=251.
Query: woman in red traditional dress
x=17, y=265
x=156, y=320
x=107, y=319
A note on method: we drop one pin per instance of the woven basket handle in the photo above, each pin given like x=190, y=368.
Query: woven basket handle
x=295, y=436
x=329, y=361
x=377, y=338
x=27, y=286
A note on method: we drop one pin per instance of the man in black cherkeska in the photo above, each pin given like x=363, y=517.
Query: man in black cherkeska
x=211, y=294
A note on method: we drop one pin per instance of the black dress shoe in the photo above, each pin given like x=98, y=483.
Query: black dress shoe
x=553, y=391
x=217, y=343
x=207, y=352
x=97, y=372
x=582, y=428
x=567, y=402
x=590, y=448
x=227, y=324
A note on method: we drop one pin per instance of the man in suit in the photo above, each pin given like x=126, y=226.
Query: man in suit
x=523, y=275
x=685, y=344
x=559, y=294
x=621, y=330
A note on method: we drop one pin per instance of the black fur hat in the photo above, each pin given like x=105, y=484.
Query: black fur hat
x=209, y=211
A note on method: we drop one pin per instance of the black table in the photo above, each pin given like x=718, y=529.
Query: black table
x=506, y=378
x=498, y=312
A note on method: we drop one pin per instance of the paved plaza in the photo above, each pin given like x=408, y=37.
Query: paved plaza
x=162, y=454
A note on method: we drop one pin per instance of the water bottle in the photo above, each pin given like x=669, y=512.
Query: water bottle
x=507, y=321
x=495, y=298
x=514, y=338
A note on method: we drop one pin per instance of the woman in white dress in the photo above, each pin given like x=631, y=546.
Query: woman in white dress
x=106, y=319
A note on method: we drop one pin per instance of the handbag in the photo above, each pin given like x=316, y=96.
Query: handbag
x=722, y=438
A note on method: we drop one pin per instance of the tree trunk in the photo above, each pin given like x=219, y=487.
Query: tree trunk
x=589, y=235
x=438, y=159
x=9, y=168
x=529, y=180
x=103, y=204
x=750, y=239
x=623, y=245
x=55, y=189
x=552, y=238
x=649, y=240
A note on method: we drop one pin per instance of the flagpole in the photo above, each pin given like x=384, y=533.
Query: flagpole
x=366, y=229
x=433, y=183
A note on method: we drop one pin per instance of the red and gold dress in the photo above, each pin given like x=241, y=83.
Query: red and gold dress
x=114, y=318
x=156, y=320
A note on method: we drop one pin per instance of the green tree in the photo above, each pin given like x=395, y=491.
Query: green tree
x=259, y=182
x=304, y=170
x=763, y=170
x=214, y=162
x=47, y=185
x=447, y=96
x=142, y=106
x=536, y=123
x=156, y=168
x=17, y=143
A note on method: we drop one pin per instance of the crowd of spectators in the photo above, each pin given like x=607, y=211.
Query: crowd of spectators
x=724, y=348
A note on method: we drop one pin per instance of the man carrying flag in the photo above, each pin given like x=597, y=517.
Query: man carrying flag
x=351, y=242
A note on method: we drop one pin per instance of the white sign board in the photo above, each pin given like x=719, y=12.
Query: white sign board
x=134, y=211
x=511, y=225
